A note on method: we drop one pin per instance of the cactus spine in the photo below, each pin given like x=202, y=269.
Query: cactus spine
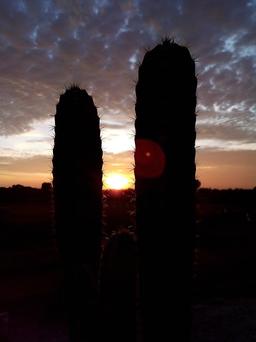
x=165, y=188
x=77, y=186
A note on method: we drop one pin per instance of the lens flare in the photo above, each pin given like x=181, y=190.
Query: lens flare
x=149, y=159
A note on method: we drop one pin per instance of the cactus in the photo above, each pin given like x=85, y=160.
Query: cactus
x=118, y=271
x=118, y=289
x=77, y=187
x=165, y=188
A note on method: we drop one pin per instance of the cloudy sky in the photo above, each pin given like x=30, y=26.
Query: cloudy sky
x=47, y=44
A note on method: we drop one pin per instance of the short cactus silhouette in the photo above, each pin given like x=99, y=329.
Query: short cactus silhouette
x=77, y=187
x=165, y=188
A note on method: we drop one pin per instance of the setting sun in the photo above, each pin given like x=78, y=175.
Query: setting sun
x=116, y=181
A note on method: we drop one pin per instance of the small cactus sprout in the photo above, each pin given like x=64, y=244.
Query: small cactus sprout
x=77, y=187
x=165, y=188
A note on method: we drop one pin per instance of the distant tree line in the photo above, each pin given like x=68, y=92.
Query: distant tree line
x=18, y=192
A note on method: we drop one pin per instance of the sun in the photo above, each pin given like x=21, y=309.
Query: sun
x=116, y=181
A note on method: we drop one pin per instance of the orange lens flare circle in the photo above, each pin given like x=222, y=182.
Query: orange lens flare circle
x=149, y=159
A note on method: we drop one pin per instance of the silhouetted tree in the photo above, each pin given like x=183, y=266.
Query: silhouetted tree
x=197, y=184
x=46, y=187
x=165, y=188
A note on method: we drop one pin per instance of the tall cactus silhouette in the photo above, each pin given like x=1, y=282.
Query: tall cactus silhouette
x=165, y=188
x=77, y=186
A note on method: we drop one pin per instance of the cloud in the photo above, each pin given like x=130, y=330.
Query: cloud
x=119, y=162
x=46, y=45
x=226, y=131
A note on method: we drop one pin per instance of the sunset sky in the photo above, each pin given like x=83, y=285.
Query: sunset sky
x=46, y=45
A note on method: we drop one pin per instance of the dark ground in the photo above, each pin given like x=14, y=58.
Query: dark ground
x=224, y=293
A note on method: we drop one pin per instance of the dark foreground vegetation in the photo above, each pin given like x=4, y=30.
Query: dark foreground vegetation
x=224, y=285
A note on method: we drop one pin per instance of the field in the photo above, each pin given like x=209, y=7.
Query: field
x=31, y=295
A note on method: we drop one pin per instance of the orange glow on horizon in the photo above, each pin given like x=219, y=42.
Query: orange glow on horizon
x=116, y=181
